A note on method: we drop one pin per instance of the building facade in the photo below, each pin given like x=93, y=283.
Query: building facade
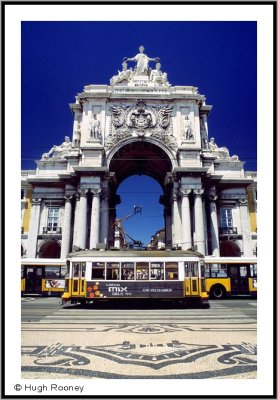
x=138, y=124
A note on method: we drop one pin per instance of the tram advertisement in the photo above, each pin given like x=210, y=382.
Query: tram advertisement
x=55, y=283
x=135, y=289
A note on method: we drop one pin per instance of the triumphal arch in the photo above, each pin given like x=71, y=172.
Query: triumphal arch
x=139, y=124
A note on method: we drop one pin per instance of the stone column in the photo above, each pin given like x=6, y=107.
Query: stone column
x=82, y=218
x=104, y=218
x=75, y=241
x=164, y=200
x=199, y=221
x=175, y=218
x=95, y=217
x=214, y=232
x=245, y=228
x=66, y=229
x=33, y=228
x=186, y=219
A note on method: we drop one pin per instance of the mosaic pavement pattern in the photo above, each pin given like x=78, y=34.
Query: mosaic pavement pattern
x=128, y=351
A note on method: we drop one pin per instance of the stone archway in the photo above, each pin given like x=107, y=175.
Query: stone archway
x=50, y=249
x=229, y=248
x=142, y=157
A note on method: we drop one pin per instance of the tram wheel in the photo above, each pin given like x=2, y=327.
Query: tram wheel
x=218, y=292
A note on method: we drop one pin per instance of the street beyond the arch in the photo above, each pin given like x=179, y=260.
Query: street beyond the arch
x=160, y=340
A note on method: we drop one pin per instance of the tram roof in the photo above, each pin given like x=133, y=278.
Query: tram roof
x=135, y=253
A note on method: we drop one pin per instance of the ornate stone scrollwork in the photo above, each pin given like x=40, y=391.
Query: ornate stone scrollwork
x=96, y=192
x=141, y=120
x=83, y=192
x=68, y=197
x=198, y=192
x=242, y=202
x=36, y=201
x=185, y=192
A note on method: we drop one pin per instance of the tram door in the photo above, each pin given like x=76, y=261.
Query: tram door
x=239, y=278
x=78, y=279
x=191, y=278
x=33, y=282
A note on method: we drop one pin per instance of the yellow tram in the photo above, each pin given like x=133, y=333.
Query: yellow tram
x=227, y=276
x=135, y=274
x=43, y=276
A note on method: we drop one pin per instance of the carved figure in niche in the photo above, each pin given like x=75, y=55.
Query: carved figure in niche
x=142, y=62
x=95, y=128
x=157, y=76
x=188, y=132
x=125, y=74
x=59, y=151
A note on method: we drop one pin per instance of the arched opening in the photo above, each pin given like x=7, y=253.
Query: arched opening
x=150, y=162
x=140, y=158
x=145, y=192
x=50, y=249
x=229, y=248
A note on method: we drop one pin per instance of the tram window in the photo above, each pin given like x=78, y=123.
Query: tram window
x=243, y=271
x=205, y=271
x=67, y=270
x=52, y=272
x=63, y=271
x=186, y=269
x=22, y=271
x=253, y=270
x=233, y=271
x=113, y=271
x=157, y=270
x=142, y=271
x=82, y=269
x=218, y=271
x=127, y=271
x=75, y=270
x=222, y=271
x=171, y=270
x=194, y=269
x=98, y=270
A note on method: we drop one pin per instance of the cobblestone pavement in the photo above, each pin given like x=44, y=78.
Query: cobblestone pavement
x=140, y=348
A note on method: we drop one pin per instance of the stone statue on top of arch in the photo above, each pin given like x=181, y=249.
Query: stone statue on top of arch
x=142, y=62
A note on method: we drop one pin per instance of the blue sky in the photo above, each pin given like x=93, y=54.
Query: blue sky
x=60, y=58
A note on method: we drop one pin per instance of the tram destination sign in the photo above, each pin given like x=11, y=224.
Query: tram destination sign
x=99, y=289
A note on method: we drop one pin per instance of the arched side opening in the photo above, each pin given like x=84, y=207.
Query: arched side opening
x=50, y=249
x=229, y=248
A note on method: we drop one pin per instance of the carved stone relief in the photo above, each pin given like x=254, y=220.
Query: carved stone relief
x=141, y=120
